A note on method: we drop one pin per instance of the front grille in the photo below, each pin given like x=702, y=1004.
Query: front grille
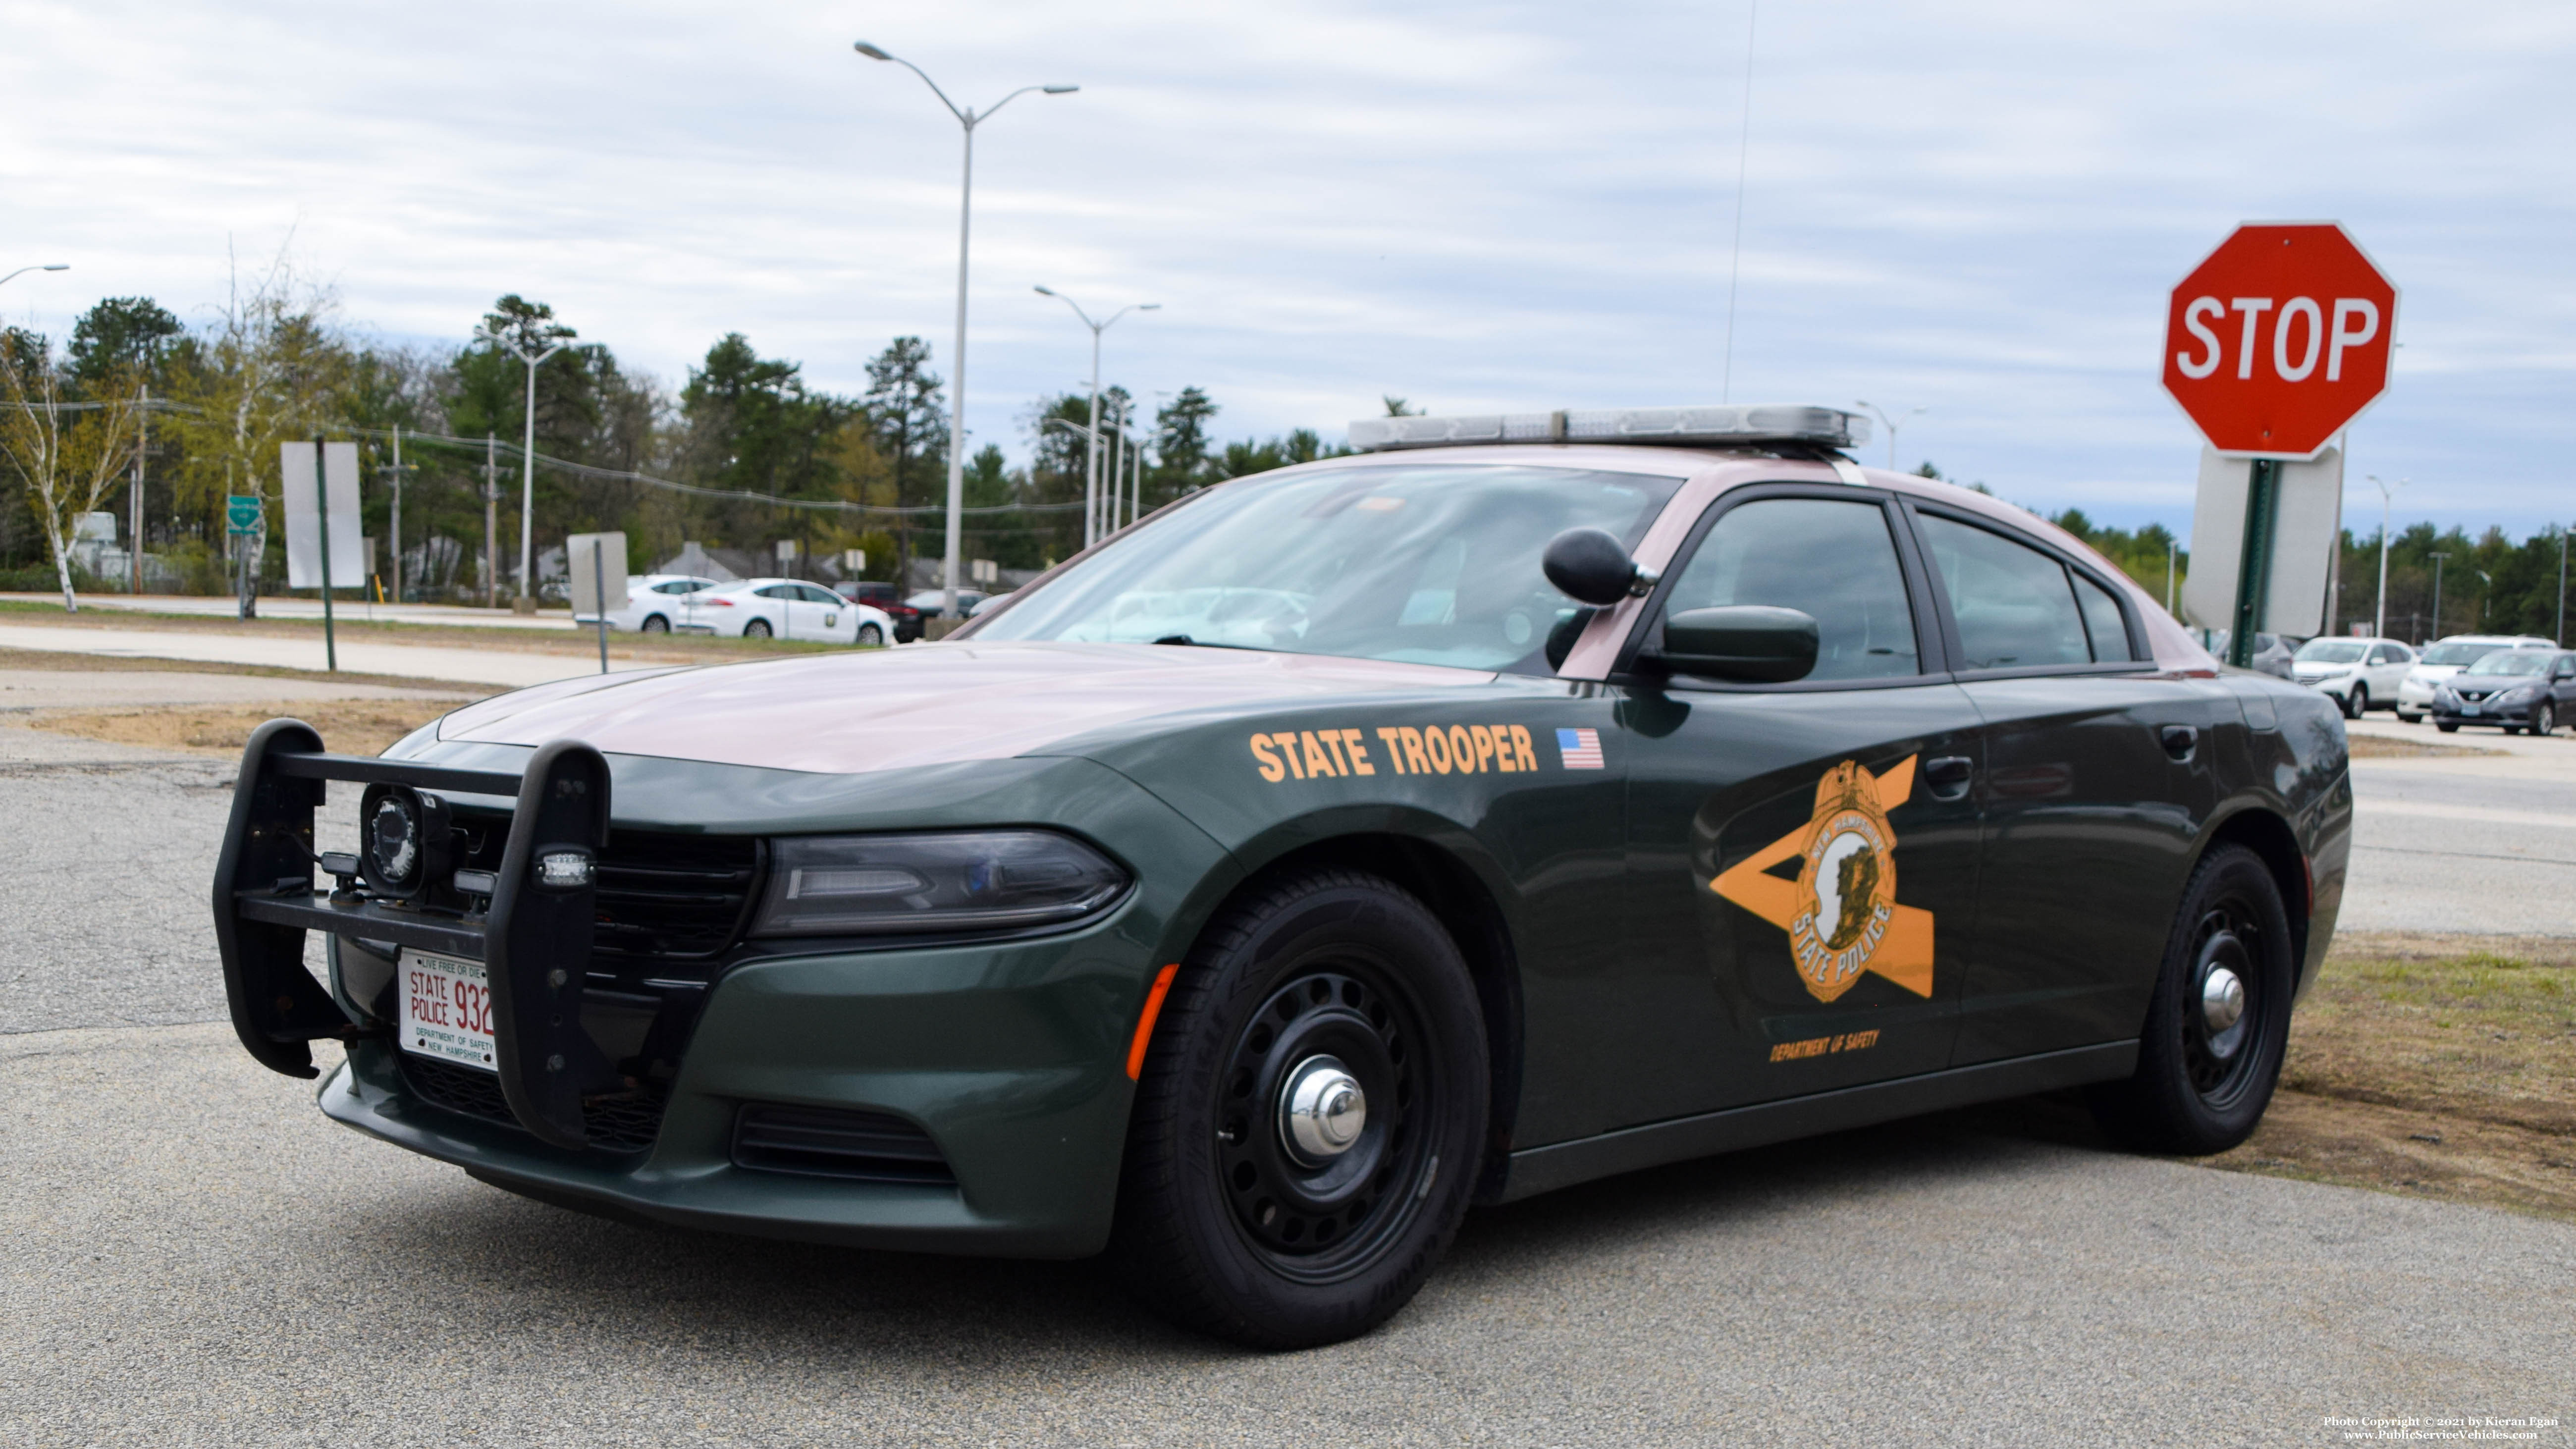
x=831, y=1142
x=673, y=895
x=624, y=1122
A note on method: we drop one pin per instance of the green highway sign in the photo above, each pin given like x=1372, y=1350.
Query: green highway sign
x=242, y=513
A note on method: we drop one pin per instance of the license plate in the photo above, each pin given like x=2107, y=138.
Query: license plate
x=447, y=1010
x=2468, y=709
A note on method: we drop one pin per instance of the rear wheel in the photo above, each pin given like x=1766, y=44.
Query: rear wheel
x=2219, y=1018
x=656, y=624
x=1308, y=1122
x=871, y=637
x=756, y=629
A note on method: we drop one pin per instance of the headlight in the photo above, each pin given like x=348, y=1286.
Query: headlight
x=875, y=885
x=2517, y=695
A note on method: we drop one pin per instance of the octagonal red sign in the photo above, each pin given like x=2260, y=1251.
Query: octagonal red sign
x=2279, y=339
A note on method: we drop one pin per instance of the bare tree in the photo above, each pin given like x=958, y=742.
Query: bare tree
x=68, y=453
x=272, y=367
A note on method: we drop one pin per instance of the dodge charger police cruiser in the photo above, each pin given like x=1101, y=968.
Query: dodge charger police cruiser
x=1518, y=801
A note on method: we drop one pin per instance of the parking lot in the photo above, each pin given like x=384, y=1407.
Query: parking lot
x=197, y=1256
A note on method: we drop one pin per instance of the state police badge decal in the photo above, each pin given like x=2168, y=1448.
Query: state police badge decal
x=1841, y=912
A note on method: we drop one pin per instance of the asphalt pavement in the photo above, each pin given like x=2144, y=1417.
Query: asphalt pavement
x=196, y=1256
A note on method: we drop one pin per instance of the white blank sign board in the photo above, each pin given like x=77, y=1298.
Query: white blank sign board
x=593, y=557
x=303, y=516
x=2306, y=527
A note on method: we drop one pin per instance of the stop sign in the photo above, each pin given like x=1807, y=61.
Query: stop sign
x=2279, y=338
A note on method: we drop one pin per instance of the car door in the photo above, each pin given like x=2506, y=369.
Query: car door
x=2387, y=671
x=2562, y=687
x=2099, y=772
x=822, y=614
x=1802, y=857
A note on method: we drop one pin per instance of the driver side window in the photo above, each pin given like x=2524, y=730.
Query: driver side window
x=1832, y=559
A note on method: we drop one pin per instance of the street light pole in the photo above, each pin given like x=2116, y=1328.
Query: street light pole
x=2437, y=594
x=40, y=267
x=1092, y=512
x=967, y=120
x=2387, y=495
x=527, y=464
x=1892, y=424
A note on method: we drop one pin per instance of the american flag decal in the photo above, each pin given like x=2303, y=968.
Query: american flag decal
x=1579, y=749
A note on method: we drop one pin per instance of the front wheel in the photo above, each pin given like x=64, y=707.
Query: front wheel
x=756, y=629
x=2404, y=718
x=1310, y=1116
x=2544, y=719
x=2219, y=1020
x=871, y=637
x=2447, y=726
x=2358, y=704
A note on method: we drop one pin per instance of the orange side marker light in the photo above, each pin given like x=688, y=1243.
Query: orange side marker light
x=1145, y=1023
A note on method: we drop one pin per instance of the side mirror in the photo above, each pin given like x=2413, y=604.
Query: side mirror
x=1752, y=643
x=1590, y=567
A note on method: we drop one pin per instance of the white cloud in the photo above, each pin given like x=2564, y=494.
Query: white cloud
x=1977, y=206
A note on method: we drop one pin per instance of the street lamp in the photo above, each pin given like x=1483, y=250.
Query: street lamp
x=2387, y=495
x=1091, y=455
x=967, y=120
x=41, y=267
x=2437, y=595
x=1892, y=424
x=527, y=459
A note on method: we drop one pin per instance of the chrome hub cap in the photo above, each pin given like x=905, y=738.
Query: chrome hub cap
x=1322, y=1110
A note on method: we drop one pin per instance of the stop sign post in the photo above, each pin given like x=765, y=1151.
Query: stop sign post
x=2273, y=345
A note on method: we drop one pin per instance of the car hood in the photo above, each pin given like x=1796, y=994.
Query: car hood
x=922, y=704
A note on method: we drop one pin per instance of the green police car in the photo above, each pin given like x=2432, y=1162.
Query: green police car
x=1517, y=801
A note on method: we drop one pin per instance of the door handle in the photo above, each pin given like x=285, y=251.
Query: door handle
x=2179, y=741
x=1948, y=776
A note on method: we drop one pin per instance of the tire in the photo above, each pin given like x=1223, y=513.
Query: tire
x=2357, y=701
x=756, y=629
x=656, y=624
x=1223, y=1225
x=871, y=637
x=2447, y=726
x=2544, y=719
x=2199, y=1089
x=2404, y=718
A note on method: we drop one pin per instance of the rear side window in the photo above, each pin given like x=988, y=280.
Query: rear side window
x=1826, y=557
x=2103, y=626
x=2016, y=606
x=778, y=591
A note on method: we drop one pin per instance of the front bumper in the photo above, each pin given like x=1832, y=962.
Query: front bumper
x=2485, y=714
x=2340, y=686
x=2415, y=696
x=1011, y=1057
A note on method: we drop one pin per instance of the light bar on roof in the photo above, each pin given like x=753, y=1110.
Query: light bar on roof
x=1751, y=423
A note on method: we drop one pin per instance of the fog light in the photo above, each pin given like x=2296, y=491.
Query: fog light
x=563, y=868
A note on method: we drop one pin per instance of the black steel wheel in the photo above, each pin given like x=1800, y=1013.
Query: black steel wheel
x=1309, y=1121
x=2219, y=1018
x=656, y=624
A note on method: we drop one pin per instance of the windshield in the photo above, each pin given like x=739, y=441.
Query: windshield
x=2458, y=653
x=2512, y=661
x=2331, y=651
x=1426, y=564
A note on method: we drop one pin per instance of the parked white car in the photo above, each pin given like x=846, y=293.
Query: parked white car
x=2361, y=674
x=654, y=603
x=785, y=609
x=2446, y=657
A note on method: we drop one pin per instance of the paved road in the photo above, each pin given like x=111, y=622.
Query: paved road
x=195, y=1256
x=2476, y=844
x=501, y=667
x=202, y=606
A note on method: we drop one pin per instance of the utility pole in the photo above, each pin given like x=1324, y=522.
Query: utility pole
x=2437, y=594
x=142, y=440
x=491, y=522
x=396, y=528
x=2562, y=587
x=322, y=522
x=2173, y=547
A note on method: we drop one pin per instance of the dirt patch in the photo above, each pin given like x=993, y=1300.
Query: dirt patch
x=64, y=662
x=348, y=726
x=2436, y=1066
x=2381, y=747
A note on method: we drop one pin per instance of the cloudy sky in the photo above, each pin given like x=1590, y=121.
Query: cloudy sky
x=1974, y=207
